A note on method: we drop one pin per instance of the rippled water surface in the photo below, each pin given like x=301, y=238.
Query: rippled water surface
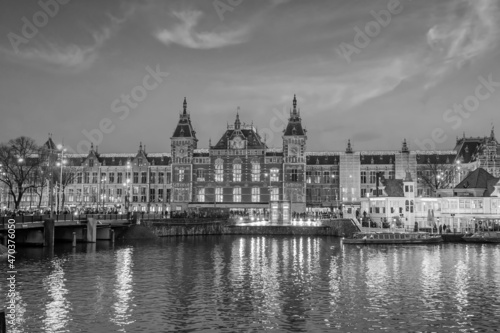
x=256, y=284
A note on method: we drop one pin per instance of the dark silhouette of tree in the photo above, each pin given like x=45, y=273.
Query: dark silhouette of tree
x=436, y=176
x=20, y=159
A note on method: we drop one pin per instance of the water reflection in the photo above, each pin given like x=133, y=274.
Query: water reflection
x=258, y=284
x=123, y=288
x=57, y=309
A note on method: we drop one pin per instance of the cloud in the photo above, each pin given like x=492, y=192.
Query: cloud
x=279, y=2
x=44, y=53
x=71, y=57
x=470, y=31
x=184, y=33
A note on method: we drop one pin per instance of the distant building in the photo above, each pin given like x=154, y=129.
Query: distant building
x=241, y=172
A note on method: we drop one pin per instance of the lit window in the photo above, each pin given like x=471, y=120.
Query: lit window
x=237, y=194
x=237, y=171
x=274, y=194
x=255, y=194
x=219, y=170
x=201, y=194
x=255, y=171
x=218, y=194
x=275, y=174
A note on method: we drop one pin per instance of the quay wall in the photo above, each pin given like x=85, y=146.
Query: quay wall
x=339, y=228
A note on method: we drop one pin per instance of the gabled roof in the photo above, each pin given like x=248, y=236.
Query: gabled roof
x=491, y=186
x=448, y=158
x=294, y=126
x=321, y=159
x=377, y=159
x=393, y=187
x=477, y=179
x=121, y=159
x=184, y=127
x=247, y=132
x=50, y=144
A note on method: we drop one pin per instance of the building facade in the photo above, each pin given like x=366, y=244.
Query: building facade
x=241, y=172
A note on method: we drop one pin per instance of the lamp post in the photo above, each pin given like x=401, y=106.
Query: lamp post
x=60, y=164
x=333, y=182
x=103, y=192
x=458, y=168
x=127, y=195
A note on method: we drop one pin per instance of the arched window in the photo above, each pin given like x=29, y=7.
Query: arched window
x=219, y=170
x=237, y=170
x=255, y=170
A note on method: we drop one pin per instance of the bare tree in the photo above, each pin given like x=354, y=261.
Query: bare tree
x=68, y=177
x=20, y=158
x=436, y=176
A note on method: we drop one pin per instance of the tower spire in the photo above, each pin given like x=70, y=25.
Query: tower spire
x=294, y=104
x=492, y=134
x=349, y=147
x=404, y=149
x=237, y=122
x=184, y=107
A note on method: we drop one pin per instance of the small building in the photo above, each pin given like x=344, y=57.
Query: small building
x=475, y=200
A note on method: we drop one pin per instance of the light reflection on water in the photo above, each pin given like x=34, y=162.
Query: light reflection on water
x=57, y=307
x=234, y=283
x=123, y=288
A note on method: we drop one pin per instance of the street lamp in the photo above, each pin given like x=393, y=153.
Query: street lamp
x=61, y=164
x=103, y=192
x=127, y=195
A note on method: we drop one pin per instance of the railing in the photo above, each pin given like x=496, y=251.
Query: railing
x=62, y=217
x=187, y=220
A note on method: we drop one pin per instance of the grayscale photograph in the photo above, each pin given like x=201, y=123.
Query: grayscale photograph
x=249, y=166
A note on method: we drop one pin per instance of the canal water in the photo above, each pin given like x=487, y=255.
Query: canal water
x=257, y=284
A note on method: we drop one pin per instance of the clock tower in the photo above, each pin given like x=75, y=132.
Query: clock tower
x=294, y=167
x=183, y=142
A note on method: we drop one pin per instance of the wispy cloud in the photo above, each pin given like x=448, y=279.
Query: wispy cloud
x=44, y=53
x=470, y=30
x=184, y=33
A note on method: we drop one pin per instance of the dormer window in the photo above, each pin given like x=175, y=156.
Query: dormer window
x=91, y=163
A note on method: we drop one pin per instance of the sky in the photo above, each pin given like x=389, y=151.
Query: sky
x=372, y=71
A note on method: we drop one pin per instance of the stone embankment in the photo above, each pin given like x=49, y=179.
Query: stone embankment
x=338, y=227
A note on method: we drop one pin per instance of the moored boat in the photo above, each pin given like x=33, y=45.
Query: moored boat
x=483, y=237
x=393, y=238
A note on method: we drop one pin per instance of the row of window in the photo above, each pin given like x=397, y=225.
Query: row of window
x=236, y=195
x=89, y=194
x=322, y=195
x=370, y=177
x=322, y=177
x=237, y=152
x=120, y=177
x=469, y=204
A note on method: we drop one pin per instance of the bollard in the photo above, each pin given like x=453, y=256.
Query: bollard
x=112, y=235
x=3, y=328
x=48, y=231
x=74, y=239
